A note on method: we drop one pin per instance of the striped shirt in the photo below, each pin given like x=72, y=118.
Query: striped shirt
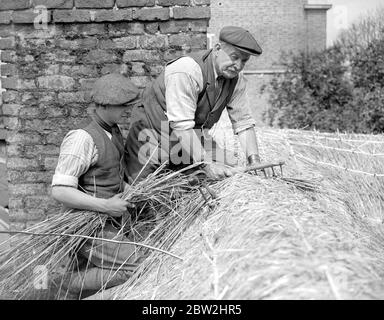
x=78, y=153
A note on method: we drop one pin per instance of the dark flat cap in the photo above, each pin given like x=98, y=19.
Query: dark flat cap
x=241, y=39
x=114, y=89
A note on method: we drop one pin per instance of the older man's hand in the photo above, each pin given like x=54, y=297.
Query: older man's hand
x=217, y=171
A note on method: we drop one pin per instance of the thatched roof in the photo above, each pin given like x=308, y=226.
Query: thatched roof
x=267, y=239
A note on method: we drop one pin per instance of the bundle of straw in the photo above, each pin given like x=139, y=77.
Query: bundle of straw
x=53, y=242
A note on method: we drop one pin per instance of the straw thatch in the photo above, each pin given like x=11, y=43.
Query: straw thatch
x=315, y=233
x=270, y=239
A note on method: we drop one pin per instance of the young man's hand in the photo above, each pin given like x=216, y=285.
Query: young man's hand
x=116, y=206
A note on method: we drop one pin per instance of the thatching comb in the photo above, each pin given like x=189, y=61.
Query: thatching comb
x=194, y=180
x=262, y=167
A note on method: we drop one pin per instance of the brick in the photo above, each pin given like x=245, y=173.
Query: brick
x=30, y=176
x=198, y=26
x=168, y=3
x=55, y=112
x=71, y=16
x=152, y=27
x=14, y=4
x=124, y=28
x=155, y=70
x=7, y=43
x=92, y=4
x=79, y=70
x=50, y=163
x=8, y=56
x=78, y=112
x=99, y=56
x=40, y=124
x=135, y=3
x=8, y=70
x=11, y=109
x=5, y=17
x=87, y=43
x=141, y=55
x=48, y=32
x=39, y=202
x=25, y=138
x=11, y=96
x=173, y=26
x=153, y=42
x=30, y=113
x=52, y=70
x=28, y=16
x=22, y=163
x=192, y=13
x=73, y=97
x=54, y=4
x=194, y=41
x=11, y=123
x=56, y=82
x=60, y=56
x=87, y=84
x=138, y=68
x=11, y=83
x=172, y=54
x=126, y=42
x=113, y=15
x=202, y=2
x=42, y=149
x=111, y=68
x=140, y=81
x=152, y=14
x=23, y=215
x=16, y=203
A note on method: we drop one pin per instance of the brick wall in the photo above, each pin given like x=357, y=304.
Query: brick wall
x=49, y=71
x=280, y=26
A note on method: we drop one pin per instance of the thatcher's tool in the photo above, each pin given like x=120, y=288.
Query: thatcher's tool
x=261, y=167
x=194, y=180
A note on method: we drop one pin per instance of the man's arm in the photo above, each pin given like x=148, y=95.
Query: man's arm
x=242, y=122
x=183, y=81
x=76, y=199
x=77, y=153
x=248, y=142
x=190, y=143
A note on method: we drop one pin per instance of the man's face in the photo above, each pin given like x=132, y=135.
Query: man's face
x=229, y=60
x=114, y=113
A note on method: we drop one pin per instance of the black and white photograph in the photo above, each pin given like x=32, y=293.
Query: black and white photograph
x=207, y=151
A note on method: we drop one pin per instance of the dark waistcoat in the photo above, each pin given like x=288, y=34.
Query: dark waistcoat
x=105, y=178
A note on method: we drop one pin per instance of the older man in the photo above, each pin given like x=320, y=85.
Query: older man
x=189, y=97
x=90, y=176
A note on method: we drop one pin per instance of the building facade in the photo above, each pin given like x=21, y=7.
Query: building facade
x=280, y=27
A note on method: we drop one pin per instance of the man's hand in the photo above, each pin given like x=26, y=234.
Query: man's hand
x=253, y=160
x=116, y=207
x=218, y=171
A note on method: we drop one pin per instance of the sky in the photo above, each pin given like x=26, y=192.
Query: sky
x=344, y=12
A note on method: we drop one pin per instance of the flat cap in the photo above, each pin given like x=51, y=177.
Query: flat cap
x=241, y=39
x=114, y=89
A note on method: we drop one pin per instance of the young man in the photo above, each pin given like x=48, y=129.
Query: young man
x=90, y=176
x=188, y=97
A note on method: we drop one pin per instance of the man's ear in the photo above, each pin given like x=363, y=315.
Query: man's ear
x=217, y=47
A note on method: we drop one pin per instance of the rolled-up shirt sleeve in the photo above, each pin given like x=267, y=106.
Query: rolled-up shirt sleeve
x=183, y=82
x=238, y=107
x=77, y=153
